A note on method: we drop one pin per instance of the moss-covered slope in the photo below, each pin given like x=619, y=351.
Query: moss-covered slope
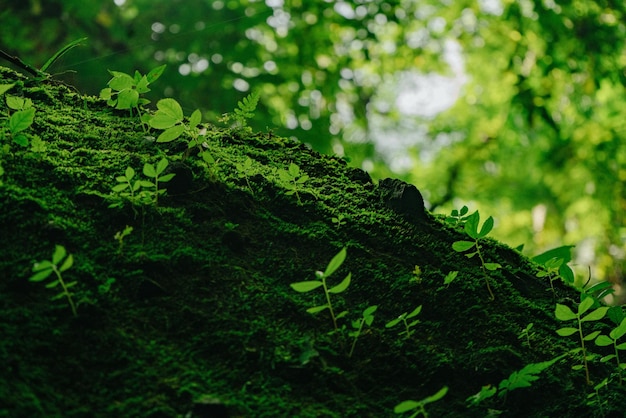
x=193, y=309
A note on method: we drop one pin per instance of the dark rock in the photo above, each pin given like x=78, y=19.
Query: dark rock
x=403, y=198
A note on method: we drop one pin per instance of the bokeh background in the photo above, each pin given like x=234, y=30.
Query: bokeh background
x=513, y=107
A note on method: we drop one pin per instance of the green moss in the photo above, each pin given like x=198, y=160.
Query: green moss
x=199, y=310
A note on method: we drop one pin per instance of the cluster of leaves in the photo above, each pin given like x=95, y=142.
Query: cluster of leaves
x=404, y=319
x=124, y=90
x=141, y=192
x=458, y=216
x=309, y=285
x=564, y=313
x=60, y=262
x=20, y=119
x=555, y=265
x=292, y=179
x=471, y=228
x=367, y=318
x=611, y=339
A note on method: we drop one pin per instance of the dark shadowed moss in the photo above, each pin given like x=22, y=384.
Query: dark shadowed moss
x=201, y=307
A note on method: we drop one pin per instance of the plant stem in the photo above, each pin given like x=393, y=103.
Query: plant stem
x=330, y=306
x=65, y=291
x=356, y=337
x=582, y=343
x=482, y=264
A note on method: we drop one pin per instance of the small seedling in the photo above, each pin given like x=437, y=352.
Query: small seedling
x=292, y=180
x=309, y=285
x=526, y=333
x=119, y=237
x=611, y=339
x=43, y=269
x=458, y=217
x=169, y=118
x=418, y=407
x=552, y=267
x=471, y=228
x=366, y=319
x=593, y=399
x=338, y=220
x=20, y=120
x=155, y=173
x=142, y=192
x=564, y=313
x=124, y=90
x=564, y=271
x=245, y=170
x=404, y=319
x=417, y=275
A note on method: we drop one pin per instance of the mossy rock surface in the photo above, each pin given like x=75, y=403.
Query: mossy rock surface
x=201, y=314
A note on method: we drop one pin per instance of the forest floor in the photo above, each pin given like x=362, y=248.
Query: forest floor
x=191, y=314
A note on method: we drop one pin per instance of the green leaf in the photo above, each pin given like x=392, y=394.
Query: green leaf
x=450, y=277
x=586, y=303
x=406, y=406
x=591, y=336
x=336, y=262
x=16, y=103
x=170, y=107
x=486, y=228
x=162, y=165
x=596, y=314
x=393, y=322
x=305, y=286
x=142, y=85
x=59, y=254
x=440, y=394
x=341, y=287
x=415, y=312
x=121, y=81
x=162, y=121
x=127, y=99
x=171, y=134
x=370, y=310
x=41, y=275
x=603, y=341
x=471, y=225
x=21, y=120
x=567, y=331
x=460, y=246
x=317, y=309
x=149, y=171
x=167, y=177
x=564, y=313
x=155, y=73
x=195, y=118
x=294, y=170
x=105, y=93
x=618, y=331
x=69, y=261
x=21, y=139
x=492, y=266
x=6, y=87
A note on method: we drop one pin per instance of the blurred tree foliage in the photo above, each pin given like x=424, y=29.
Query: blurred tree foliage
x=532, y=130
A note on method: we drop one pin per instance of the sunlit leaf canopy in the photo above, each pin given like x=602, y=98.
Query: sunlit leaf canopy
x=515, y=108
